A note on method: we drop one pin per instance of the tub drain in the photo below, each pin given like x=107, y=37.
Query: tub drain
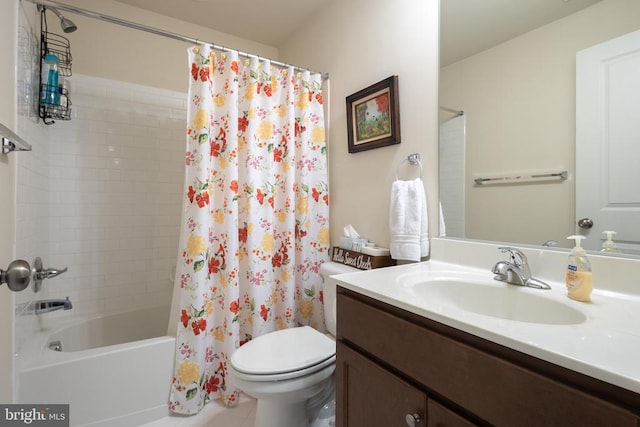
x=55, y=345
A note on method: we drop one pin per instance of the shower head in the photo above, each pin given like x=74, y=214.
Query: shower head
x=67, y=24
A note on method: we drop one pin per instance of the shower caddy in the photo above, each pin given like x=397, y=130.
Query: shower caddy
x=61, y=47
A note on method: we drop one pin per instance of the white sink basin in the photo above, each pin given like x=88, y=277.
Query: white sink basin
x=497, y=299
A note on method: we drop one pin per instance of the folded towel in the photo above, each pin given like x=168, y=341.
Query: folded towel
x=408, y=221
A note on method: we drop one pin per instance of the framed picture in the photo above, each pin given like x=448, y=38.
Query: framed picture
x=373, y=116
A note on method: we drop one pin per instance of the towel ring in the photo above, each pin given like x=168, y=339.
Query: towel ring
x=413, y=159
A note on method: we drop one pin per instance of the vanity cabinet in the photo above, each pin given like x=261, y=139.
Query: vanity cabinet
x=392, y=364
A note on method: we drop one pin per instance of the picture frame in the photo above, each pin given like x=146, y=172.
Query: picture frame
x=373, y=116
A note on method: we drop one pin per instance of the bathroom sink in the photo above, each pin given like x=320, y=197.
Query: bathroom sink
x=496, y=300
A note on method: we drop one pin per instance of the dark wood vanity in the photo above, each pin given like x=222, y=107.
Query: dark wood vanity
x=395, y=368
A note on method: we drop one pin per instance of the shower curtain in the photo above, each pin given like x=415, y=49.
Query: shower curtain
x=256, y=216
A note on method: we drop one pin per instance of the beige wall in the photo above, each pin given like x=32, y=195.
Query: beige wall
x=8, y=36
x=519, y=100
x=360, y=43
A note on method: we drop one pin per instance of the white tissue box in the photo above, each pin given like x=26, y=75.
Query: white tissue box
x=346, y=242
x=352, y=243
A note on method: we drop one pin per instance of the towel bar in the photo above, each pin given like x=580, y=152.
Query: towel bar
x=413, y=159
x=513, y=179
x=11, y=142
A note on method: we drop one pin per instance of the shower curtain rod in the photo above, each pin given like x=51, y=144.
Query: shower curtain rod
x=451, y=110
x=159, y=32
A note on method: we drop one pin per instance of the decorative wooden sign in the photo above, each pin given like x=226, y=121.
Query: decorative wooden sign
x=360, y=260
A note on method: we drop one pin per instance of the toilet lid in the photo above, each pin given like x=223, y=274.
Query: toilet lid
x=283, y=351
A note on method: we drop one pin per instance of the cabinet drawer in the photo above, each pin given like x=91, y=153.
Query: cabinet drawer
x=493, y=389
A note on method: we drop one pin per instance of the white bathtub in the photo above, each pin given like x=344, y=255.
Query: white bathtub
x=113, y=371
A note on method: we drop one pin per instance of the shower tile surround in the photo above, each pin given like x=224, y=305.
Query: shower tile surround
x=116, y=176
x=100, y=194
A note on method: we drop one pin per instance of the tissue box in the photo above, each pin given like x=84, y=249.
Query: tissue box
x=346, y=242
x=352, y=243
x=360, y=260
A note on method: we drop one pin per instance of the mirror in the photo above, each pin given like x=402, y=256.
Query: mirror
x=512, y=72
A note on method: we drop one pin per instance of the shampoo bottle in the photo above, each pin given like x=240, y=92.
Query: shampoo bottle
x=578, y=279
x=609, y=245
x=49, y=80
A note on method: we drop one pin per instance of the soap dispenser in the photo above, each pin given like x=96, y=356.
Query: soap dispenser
x=578, y=279
x=609, y=245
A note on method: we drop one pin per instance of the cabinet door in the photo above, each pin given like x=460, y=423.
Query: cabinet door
x=439, y=416
x=368, y=395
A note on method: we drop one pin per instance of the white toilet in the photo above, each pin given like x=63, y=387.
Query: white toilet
x=290, y=372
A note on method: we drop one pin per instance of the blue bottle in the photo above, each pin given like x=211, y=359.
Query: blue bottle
x=49, y=80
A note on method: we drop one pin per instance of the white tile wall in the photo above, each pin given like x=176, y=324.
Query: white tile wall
x=115, y=200
x=100, y=194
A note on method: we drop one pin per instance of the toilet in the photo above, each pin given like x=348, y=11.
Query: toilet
x=290, y=372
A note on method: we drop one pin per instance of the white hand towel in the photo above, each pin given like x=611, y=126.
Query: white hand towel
x=408, y=221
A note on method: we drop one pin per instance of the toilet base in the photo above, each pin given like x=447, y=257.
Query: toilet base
x=292, y=408
x=274, y=413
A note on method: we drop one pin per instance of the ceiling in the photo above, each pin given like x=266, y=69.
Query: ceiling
x=471, y=26
x=468, y=26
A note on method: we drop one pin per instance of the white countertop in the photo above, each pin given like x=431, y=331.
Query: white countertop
x=605, y=346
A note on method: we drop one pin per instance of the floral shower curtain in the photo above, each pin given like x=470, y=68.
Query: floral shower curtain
x=255, y=222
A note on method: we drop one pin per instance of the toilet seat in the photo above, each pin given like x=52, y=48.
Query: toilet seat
x=284, y=354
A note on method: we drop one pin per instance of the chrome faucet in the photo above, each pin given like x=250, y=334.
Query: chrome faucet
x=48, y=305
x=516, y=271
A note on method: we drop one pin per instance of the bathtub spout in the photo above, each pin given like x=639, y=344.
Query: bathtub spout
x=46, y=306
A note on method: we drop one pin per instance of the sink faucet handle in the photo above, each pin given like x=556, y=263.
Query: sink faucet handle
x=517, y=257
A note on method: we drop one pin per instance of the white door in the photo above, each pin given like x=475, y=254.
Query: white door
x=608, y=141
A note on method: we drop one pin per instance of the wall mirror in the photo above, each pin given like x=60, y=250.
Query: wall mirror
x=508, y=103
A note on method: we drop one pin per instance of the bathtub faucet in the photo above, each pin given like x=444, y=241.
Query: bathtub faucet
x=48, y=305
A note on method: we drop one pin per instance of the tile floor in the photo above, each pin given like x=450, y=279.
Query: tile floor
x=214, y=414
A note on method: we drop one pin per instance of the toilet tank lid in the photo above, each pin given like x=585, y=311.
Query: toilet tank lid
x=330, y=268
x=283, y=351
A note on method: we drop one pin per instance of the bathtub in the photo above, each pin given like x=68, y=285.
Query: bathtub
x=113, y=370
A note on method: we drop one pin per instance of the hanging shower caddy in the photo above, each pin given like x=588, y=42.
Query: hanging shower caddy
x=51, y=43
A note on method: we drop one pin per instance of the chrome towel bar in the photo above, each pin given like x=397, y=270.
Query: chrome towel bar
x=514, y=179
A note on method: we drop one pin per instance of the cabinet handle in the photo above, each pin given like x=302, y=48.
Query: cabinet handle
x=412, y=419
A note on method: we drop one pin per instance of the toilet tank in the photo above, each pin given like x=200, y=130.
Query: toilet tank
x=329, y=291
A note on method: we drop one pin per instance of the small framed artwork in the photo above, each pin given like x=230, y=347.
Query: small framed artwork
x=373, y=116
